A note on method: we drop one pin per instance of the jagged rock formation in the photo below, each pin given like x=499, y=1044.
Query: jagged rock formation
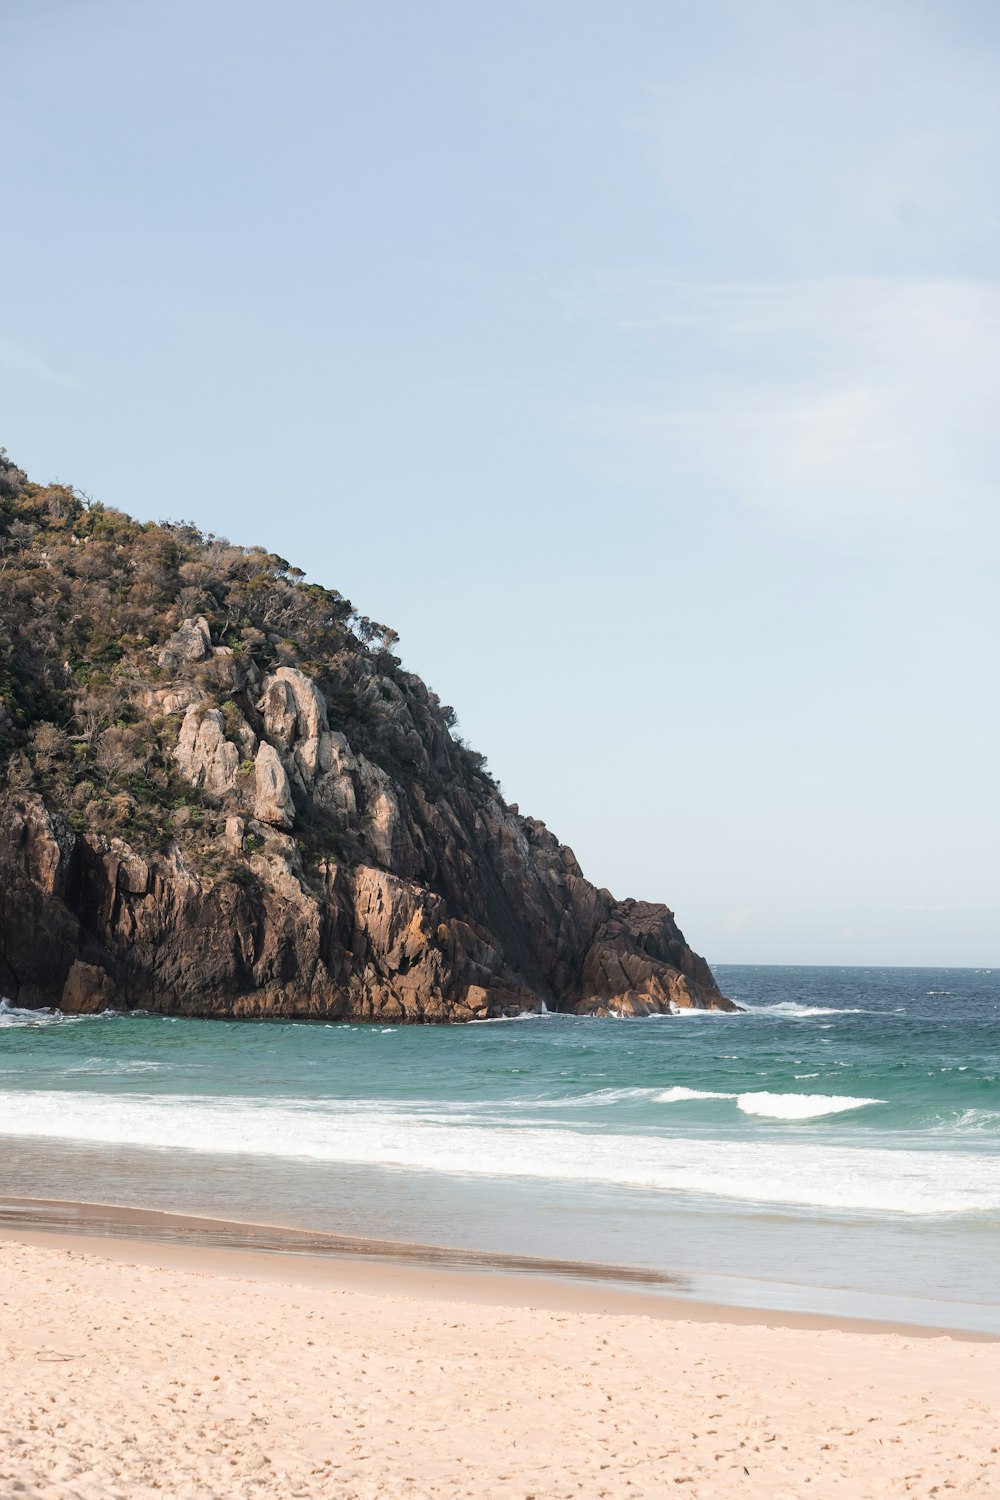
x=228, y=798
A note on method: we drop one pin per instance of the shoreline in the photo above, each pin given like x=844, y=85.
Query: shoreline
x=131, y=1369
x=313, y=1018
x=273, y=1253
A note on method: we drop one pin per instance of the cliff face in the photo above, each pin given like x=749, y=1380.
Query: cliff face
x=225, y=797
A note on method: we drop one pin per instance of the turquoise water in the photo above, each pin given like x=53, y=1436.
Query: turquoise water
x=843, y=1133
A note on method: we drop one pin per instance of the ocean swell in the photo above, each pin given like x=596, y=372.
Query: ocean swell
x=799, y=1174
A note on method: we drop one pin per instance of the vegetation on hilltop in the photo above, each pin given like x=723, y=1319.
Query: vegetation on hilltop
x=220, y=794
x=89, y=599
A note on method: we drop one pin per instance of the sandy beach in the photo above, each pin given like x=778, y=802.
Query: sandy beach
x=133, y=1370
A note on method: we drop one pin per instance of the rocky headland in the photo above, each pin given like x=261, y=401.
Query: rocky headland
x=222, y=795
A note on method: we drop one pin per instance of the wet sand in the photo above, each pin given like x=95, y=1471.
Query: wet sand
x=344, y=1262
x=141, y=1366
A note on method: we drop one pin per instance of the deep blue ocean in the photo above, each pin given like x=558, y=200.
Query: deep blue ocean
x=836, y=1145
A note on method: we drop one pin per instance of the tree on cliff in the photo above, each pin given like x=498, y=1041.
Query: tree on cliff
x=224, y=794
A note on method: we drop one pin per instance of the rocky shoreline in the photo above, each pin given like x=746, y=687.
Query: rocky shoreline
x=87, y=923
x=248, y=808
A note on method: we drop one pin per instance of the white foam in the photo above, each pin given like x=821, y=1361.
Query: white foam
x=13, y=1015
x=972, y=1120
x=598, y=1098
x=612, y=1096
x=793, y=1008
x=114, y=1066
x=679, y=1094
x=791, y=1174
x=774, y=1106
x=522, y=1015
x=689, y=1012
x=800, y=1106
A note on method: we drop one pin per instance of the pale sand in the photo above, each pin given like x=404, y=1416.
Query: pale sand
x=127, y=1372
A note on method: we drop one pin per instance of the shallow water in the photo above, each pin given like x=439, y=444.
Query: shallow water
x=843, y=1133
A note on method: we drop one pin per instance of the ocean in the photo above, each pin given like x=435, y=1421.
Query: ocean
x=834, y=1148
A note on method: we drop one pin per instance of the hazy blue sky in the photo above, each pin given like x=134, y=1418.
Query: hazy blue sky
x=639, y=362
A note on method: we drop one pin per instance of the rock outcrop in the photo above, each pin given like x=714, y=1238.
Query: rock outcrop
x=273, y=800
x=205, y=757
x=192, y=641
x=85, y=923
x=207, y=829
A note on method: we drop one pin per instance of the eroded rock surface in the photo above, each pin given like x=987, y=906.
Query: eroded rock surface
x=205, y=757
x=454, y=906
x=273, y=802
x=191, y=641
x=223, y=795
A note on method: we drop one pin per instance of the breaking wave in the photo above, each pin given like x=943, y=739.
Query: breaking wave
x=775, y=1106
x=793, y=1008
x=800, y=1174
x=13, y=1015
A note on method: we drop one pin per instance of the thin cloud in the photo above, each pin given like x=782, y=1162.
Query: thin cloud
x=868, y=402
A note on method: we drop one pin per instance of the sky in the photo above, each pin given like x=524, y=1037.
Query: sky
x=638, y=362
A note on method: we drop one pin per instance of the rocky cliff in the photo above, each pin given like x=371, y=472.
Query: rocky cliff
x=224, y=796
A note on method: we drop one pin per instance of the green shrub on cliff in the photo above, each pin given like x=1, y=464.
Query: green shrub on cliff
x=90, y=600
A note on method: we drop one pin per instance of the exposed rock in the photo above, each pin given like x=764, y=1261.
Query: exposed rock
x=42, y=845
x=88, y=989
x=132, y=871
x=639, y=964
x=192, y=641
x=204, y=755
x=385, y=832
x=361, y=942
x=410, y=891
x=279, y=710
x=244, y=736
x=170, y=700
x=295, y=719
x=273, y=802
x=298, y=712
x=335, y=787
